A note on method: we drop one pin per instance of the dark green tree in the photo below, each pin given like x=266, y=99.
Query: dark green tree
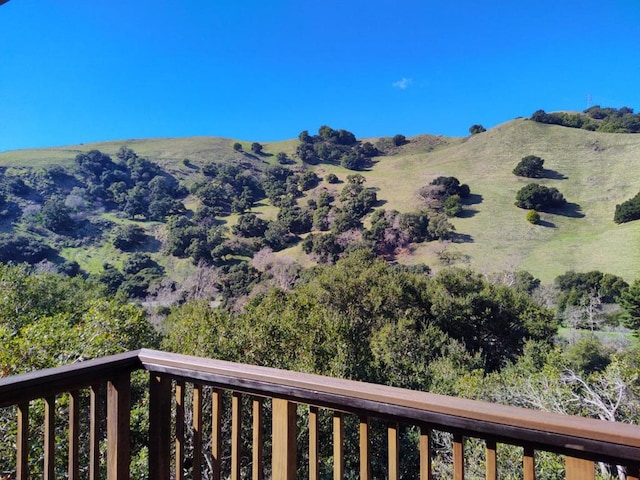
x=56, y=216
x=399, y=140
x=256, y=148
x=538, y=197
x=476, y=128
x=530, y=166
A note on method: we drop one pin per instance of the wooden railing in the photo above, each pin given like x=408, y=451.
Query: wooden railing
x=176, y=436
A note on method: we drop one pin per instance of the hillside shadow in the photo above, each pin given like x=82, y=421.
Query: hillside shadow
x=553, y=175
x=461, y=238
x=472, y=199
x=468, y=213
x=571, y=210
x=544, y=223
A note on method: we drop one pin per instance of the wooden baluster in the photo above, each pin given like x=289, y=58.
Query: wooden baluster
x=425, y=454
x=284, y=440
x=159, y=427
x=394, y=451
x=491, y=465
x=579, y=469
x=365, y=455
x=529, y=464
x=179, y=440
x=257, y=470
x=458, y=456
x=118, y=427
x=22, y=442
x=236, y=439
x=314, y=460
x=196, y=473
x=338, y=446
x=74, y=435
x=216, y=432
x=49, y=437
x=94, y=432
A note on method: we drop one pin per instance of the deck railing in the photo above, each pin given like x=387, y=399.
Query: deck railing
x=176, y=425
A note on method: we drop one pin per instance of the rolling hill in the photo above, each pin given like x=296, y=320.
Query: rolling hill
x=593, y=170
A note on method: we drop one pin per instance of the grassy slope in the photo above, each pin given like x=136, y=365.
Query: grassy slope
x=598, y=168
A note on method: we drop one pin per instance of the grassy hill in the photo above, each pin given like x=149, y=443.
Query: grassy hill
x=595, y=171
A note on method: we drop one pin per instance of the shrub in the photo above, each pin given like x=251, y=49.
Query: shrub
x=628, y=211
x=332, y=178
x=530, y=166
x=475, y=129
x=539, y=197
x=533, y=217
x=399, y=140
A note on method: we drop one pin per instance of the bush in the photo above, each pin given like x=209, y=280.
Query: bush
x=475, y=129
x=533, y=217
x=128, y=237
x=628, y=211
x=539, y=197
x=332, y=178
x=399, y=140
x=530, y=166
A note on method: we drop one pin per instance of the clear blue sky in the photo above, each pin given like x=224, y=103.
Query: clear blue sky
x=77, y=71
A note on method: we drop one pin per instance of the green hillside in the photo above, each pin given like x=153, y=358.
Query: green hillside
x=593, y=170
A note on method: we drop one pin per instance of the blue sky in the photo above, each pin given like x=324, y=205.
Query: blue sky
x=75, y=71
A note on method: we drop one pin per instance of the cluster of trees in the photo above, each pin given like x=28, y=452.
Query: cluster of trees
x=445, y=194
x=454, y=333
x=48, y=320
x=338, y=147
x=226, y=189
x=134, y=185
x=595, y=118
x=628, y=210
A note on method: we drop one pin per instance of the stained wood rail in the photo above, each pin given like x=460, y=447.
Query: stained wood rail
x=583, y=441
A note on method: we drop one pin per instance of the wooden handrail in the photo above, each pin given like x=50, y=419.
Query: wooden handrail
x=51, y=381
x=577, y=437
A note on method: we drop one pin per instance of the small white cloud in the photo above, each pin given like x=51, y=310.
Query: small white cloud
x=403, y=84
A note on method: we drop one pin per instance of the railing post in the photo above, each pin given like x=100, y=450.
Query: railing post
x=365, y=455
x=49, y=437
x=284, y=440
x=491, y=464
x=529, y=463
x=22, y=442
x=458, y=456
x=94, y=432
x=425, y=453
x=216, y=432
x=393, y=431
x=118, y=427
x=314, y=463
x=159, y=427
x=338, y=446
x=258, y=440
x=578, y=469
x=180, y=439
x=74, y=435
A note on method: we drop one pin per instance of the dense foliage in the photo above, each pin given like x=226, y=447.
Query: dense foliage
x=538, y=197
x=628, y=211
x=530, y=166
x=595, y=118
x=336, y=147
